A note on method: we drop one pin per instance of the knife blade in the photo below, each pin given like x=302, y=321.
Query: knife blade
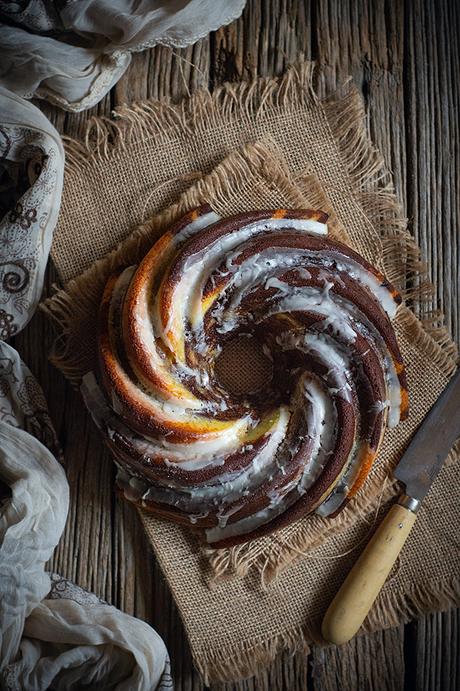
x=431, y=444
x=417, y=469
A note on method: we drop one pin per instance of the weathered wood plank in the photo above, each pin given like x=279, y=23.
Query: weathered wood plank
x=432, y=98
x=366, y=663
x=435, y=643
x=432, y=61
x=164, y=73
x=405, y=58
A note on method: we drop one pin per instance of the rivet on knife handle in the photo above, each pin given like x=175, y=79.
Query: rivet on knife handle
x=352, y=603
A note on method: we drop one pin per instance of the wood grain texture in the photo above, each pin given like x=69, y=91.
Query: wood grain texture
x=368, y=663
x=405, y=58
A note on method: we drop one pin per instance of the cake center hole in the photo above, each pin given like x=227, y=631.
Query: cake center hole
x=242, y=367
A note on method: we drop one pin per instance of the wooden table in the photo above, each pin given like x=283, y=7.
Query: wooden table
x=405, y=57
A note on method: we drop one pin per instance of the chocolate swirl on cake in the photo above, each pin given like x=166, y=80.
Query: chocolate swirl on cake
x=238, y=466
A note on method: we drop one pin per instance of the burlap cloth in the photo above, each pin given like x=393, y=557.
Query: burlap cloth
x=267, y=144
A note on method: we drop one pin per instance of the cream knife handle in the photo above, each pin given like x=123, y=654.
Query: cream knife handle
x=355, y=598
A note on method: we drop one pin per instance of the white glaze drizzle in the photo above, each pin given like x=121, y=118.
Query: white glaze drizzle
x=341, y=319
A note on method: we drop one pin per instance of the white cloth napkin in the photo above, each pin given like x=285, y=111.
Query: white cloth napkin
x=73, y=52
x=53, y=633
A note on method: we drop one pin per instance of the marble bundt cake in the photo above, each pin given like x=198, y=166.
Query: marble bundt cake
x=239, y=465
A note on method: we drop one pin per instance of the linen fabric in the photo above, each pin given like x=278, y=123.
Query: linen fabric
x=53, y=633
x=72, y=53
x=31, y=168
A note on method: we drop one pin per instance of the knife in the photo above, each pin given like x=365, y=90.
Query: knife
x=417, y=469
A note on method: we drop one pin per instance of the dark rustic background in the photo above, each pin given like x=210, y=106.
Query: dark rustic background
x=405, y=58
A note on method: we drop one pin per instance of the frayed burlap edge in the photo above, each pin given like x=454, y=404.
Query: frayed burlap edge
x=162, y=121
x=105, y=139
x=391, y=609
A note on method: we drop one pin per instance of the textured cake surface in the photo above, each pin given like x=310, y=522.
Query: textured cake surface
x=238, y=464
